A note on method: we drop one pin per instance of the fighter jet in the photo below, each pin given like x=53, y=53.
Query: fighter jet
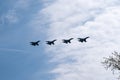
x=35, y=43
x=67, y=40
x=83, y=39
x=51, y=42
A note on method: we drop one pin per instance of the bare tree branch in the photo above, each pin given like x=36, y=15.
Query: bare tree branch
x=112, y=62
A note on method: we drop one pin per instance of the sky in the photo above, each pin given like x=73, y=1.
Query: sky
x=23, y=21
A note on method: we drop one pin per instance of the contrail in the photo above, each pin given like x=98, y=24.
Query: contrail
x=13, y=50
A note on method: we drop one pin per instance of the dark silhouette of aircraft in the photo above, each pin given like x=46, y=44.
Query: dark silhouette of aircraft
x=51, y=42
x=67, y=40
x=35, y=43
x=83, y=39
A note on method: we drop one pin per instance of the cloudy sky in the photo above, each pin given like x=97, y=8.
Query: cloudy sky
x=23, y=21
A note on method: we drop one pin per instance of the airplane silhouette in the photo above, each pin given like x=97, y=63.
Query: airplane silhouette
x=35, y=43
x=83, y=39
x=67, y=40
x=51, y=42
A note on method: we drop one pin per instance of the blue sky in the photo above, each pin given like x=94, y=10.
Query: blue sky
x=18, y=59
x=23, y=21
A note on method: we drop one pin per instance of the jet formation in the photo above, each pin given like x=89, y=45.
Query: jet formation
x=82, y=39
x=66, y=41
x=35, y=43
x=51, y=42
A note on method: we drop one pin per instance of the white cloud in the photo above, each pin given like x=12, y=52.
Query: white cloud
x=98, y=19
x=10, y=17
